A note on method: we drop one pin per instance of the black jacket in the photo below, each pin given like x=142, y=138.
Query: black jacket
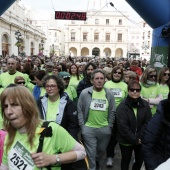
x=156, y=141
x=130, y=128
x=68, y=113
x=83, y=84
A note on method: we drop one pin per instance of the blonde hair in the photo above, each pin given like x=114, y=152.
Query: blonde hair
x=24, y=98
x=146, y=73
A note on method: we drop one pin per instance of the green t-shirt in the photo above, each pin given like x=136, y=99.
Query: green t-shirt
x=52, y=110
x=42, y=91
x=151, y=92
x=164, y=89
x=30, y=86
x=74, y=82
x=119, y=90
x=98, y=112
x=61, y=141
x=71, y=91
x=6, y=78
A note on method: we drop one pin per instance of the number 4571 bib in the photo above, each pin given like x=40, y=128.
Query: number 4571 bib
x=98, y=104
x=19, y=158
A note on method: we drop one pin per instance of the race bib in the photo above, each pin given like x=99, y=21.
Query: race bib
x=19, y=158
x=98, y=104
x=117, y=92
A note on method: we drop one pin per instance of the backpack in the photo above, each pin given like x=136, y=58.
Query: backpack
x=47, y=132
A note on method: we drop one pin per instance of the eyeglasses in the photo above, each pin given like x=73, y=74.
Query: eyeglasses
x=152, y=76
x=52, y=86
x=66, y=78
x=21, y=82
x=166, y=74
x=133, y=90
x=117, y=72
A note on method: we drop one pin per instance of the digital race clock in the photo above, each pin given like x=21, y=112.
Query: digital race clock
x=70, y=15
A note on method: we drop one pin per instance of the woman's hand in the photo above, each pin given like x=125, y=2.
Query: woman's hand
x=42, y=159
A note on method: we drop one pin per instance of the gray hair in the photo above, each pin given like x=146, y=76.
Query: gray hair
x=97, y=71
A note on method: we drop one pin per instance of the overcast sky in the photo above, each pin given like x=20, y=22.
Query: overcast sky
x=82, y=5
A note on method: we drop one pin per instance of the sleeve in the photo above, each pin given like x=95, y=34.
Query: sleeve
x=74, y=94
x=72, y=119
x=148, y=116
x=155, y=101
x=112, y=110
x=80, y=88
x=80, y=110
x=122, y=125
x=64, y=142
x=149, y=142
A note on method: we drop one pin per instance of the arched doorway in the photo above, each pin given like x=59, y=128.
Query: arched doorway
x=107, y=52
x=119, y=52
x=96, y=51
x=5, y=45
x=84, y=51
x=73, y=51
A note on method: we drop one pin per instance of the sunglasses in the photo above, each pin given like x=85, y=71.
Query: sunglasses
x=21, y=82
x=152, y=76
x=166, y=74
x=133, y=90
x=117, y=72
x=66, y=78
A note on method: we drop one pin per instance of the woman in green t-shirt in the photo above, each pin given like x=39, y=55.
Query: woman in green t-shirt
x=151, y=91
x=132, y=116
x=75, y=77
x=164, y=81
x=23, y=127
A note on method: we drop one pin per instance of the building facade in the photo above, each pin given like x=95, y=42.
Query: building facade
x=29, y=39
x=103, y=34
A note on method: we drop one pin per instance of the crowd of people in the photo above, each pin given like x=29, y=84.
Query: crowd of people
x=49, y=105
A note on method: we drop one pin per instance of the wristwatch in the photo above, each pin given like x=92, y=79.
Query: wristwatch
x=58, y=159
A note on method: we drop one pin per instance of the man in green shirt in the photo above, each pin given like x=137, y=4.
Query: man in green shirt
x=96, y=113
x=9, y=76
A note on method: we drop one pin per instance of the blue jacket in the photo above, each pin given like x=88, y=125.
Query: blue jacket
x=156, y=141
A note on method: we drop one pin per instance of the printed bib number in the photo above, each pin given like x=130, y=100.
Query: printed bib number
x=98, y=104
x=117, y=92
x=19, y=158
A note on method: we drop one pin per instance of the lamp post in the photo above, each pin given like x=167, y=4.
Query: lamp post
x=42, y=45
x=17, y=36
